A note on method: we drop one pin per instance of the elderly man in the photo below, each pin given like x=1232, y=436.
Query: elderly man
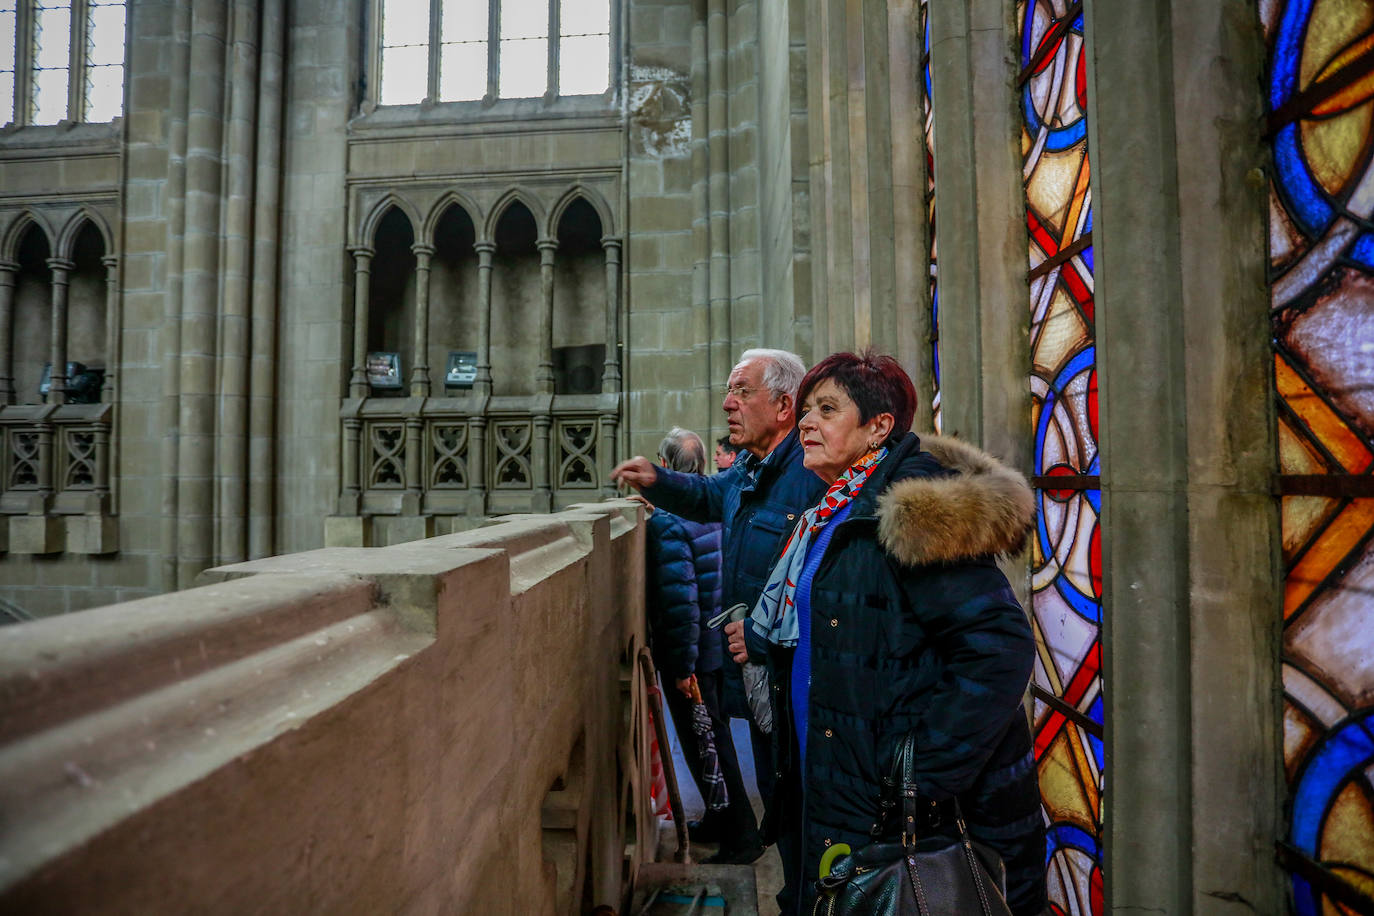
x=758, y=499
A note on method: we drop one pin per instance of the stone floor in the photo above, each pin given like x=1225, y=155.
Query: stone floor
x=768, y=869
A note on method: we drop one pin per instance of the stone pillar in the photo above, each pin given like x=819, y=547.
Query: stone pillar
x=544, y=376
x=350, y=500
x=477, y=466
x=113, y=322
x=413, y=499
x=57, y=379
x=610, y=373
x=419, y=375
x=1191, y=575
x=984, y=347
x=482, y=384
x=7, y=272
x=362, y=292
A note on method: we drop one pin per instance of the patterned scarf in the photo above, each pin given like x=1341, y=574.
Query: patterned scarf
x=775, y=617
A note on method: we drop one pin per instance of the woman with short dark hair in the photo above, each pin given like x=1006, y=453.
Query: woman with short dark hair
x=886, y=615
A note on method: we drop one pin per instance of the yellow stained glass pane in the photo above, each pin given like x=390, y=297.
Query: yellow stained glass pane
x=1065, y=797
x=1334, y=545
x=1335, y=146
x=1299, y=734
x=1347, y=841
x=1302, y=517
x=1060, y=335
x=1296, y=454
x=1049, y=189
x=1325, y=425
x=1333, y=25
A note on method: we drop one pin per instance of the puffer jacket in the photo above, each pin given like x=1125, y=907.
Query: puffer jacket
x=682, y=592
x=759, y=502
x=914, y=627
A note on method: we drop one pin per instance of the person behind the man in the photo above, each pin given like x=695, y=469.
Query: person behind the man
x=726, y=452
x=759, y=500
x=682, y=593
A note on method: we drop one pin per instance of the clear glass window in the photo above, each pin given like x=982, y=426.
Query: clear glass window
x=405, y=52
x=105, y=42
x=52, y=50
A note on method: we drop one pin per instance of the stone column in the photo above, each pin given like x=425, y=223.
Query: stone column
x=351, y=500
x=1191, y=577
x=482, y=384
x=477, y=466
x=362, y=292
x=610, y=373
x=7, y=271
x=412, y=501
x=984, y=347
x=114, y=320
x=419, y=375
x=57, y=379
x=544, y=375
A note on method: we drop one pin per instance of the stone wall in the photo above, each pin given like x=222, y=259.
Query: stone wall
x=451, y=725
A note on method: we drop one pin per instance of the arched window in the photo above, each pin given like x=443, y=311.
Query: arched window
x=65, y=61
x=465, y=50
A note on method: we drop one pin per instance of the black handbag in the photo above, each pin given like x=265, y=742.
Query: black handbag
x=931, y=875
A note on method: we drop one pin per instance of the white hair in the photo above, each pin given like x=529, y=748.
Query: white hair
x=782, y=370
x=683, y=450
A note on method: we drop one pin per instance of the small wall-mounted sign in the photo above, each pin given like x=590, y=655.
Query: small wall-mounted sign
x=461, y=371
x=384, y=370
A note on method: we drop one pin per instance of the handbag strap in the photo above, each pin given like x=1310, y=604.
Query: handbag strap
x=900, y=792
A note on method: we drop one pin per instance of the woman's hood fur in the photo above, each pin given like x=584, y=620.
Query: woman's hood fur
x=985, y=508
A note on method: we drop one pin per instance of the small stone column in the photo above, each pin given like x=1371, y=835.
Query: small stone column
x=485, y=250
x=113, y=321
x=351, y=500
x=7, y=271
x=542, y=463
x=57, y=378
x=610, y=373
x=419, y=374
x=543, y=377
x=414, y=496
x=362, y=291
x=477, y=466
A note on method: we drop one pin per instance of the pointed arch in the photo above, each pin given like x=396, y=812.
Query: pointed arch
x=504, y=202
x=592, y=198
x=367, y=232
x=66, y=239
x=451, y=198
x=14, y=235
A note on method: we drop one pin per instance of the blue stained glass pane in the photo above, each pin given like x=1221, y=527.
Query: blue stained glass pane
x=1362, y=252
x=1095, y=713
x=1308, y=202
x=1078, y=23
x=1349, y=749
x=1087, y=257
x=1288, y=52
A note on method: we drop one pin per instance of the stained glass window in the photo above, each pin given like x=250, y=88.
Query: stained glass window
x=1066, y=578
x=931, y=253
x=1320, y=93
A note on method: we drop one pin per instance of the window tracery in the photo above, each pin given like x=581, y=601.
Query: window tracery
x=64, y=62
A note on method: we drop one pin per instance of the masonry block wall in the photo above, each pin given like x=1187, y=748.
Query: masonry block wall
x=342, y=730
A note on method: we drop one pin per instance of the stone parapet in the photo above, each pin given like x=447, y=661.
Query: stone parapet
x=345, y=729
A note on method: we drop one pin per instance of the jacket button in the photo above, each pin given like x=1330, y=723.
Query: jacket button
x=834, y=621
x=791, y=516
x=829, y=733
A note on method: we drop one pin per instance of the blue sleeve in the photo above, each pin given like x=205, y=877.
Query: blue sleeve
x=692, y=496
x=672, y=600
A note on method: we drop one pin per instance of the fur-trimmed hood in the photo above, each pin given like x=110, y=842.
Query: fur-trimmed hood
x=983, y=508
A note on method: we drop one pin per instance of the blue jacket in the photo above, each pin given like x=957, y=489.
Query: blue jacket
x=682, y=584
x=758, y=501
